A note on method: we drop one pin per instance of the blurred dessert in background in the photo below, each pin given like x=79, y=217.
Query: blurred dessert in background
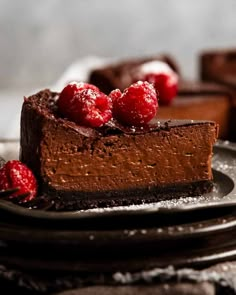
x=122, y=74
x=201, y=101
x=219, y=66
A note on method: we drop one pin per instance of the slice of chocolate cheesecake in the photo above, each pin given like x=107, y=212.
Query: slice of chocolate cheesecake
x=83, y=167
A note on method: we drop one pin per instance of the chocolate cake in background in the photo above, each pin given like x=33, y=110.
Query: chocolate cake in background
x=121, y=74
x=202, y=101
x=219, y=66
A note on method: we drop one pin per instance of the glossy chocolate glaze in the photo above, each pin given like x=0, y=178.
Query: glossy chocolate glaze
x=75, y=162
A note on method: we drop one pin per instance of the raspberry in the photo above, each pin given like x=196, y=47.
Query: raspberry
x=69, y=91
x=137, y=105
x=88, y=106
x=163, y=78
x=115, y=94
x=165, y=84
x=15, y=174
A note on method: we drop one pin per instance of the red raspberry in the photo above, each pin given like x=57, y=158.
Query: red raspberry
x=69, y=91
x=164, y=79
x=115, y=94
x=137, y=105
x=88, y=107
x=85, y=104
x=15, y=174
x=165, y=84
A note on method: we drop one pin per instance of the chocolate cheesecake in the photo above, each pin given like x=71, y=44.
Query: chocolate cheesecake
x=82, y=167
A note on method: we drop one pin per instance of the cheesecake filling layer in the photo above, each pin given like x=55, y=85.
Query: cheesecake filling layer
x=108, y=163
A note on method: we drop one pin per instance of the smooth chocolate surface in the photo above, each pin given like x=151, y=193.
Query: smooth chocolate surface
x=80, y=163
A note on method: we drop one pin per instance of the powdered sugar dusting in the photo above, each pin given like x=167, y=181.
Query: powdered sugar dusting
x=168, y=204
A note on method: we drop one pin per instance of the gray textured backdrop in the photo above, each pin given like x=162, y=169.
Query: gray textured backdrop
x=39, y=39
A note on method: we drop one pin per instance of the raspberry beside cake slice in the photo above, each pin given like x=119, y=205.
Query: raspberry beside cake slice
x=82, y=167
